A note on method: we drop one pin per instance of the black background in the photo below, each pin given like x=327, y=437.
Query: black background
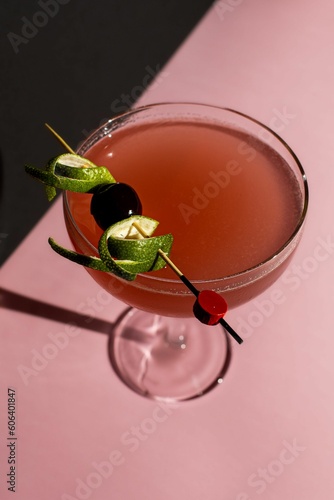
x=71, y=66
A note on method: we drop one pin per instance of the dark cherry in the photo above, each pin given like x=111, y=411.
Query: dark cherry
x=112, y=203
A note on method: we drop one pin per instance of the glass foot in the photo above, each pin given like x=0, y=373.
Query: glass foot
x=169, y=359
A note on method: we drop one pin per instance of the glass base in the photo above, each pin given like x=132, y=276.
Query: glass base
x=169, y=359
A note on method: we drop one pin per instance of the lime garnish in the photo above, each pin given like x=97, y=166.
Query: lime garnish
x=123, y=251
x=84, y=260
x=133, y=252
x=126, y=228
x=94, y=262
x=126, y=243
x=70, y=172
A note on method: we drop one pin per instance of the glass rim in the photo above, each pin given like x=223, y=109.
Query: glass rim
x=221, y=280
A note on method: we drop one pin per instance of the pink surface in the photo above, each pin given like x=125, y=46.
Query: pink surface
x=268, y=430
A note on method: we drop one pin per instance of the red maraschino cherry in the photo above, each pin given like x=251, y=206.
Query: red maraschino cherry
x=209, y=307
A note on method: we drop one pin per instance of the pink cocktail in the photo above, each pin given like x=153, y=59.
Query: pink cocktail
x=233, y=195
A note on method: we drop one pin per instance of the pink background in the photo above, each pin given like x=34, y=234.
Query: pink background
x=268, y=430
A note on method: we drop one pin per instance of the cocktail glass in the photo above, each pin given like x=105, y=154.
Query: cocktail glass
x=232, y=192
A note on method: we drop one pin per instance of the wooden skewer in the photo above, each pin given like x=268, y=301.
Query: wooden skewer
x=60, y=139
x=188, y=283
x=169, y=262
x=162, y=254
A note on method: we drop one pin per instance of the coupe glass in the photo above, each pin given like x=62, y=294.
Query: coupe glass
x=157, y=347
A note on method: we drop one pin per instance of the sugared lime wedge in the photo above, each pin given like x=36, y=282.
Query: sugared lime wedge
x=70, y=172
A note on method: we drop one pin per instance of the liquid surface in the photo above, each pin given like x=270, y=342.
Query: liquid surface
x=229, y=203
